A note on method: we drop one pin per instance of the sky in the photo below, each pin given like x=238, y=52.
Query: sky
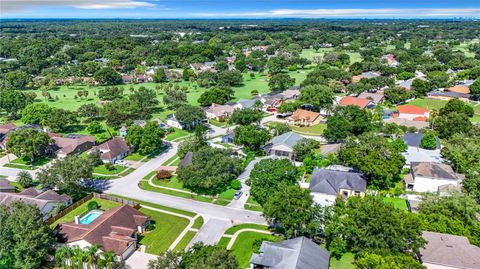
x=165, y=9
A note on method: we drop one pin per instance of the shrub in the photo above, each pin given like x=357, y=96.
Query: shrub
x=429, y=141
x=109, y=166
x=92, y=205
x=235, y=184
x=24, y=179
x=163, y=174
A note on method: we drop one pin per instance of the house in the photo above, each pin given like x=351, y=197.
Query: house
x=126, y=78
x=406, y=84
x=430, y=176
x=408, y=123
x=329, y=183
x=414, y=140
x=245, y=103
x=172, y=121
x=447, y=95
x=271, y=101
x=228, y=137
x=45, y=201
x=123, y=131
x=73, y=144
x=219, y=112
x=390, y=60
x=304, y=117
x=4, y=129
x=367, y=75
x=296, y=253
x=114, y=230
x=448, y=251
x=5, y=186
x=416, y=154
x=461, y=88
x=356, y=101
x=328, y=149
x=282, y=145
x=291, y=93
x=411, y=112
x=375, y=98
x=113, y=150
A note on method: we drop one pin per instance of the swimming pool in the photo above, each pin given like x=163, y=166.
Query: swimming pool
x=90, y=216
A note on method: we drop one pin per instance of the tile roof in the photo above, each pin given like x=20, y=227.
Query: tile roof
x=449, y=251
x=113, y=229
x=448, y=94
x=355, y=101
x=68, y=145
x=296, y=253
x=460, y=89
x=302, y=114
x=5, y=185
x=410, y=109
x=289, y=139
x=331, y=181
x=374, y=97
x=112, y=148
x=433, y=170
x=7, y=127
x=220, y=110
x=34, y=197
x=408, y=123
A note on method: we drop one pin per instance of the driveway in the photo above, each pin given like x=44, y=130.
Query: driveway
x=211, y=232
x=139, y=260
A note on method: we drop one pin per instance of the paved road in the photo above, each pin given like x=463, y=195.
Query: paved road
x=11, y=173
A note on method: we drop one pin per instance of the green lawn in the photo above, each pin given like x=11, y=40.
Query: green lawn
x=236, y=228
x=135, y=157
x=198, y=223
x=311, y=130
x=311, y=53
x=24, y=163
x=252, y=204
x=101, y=169
x=223, y=242
x=149, y=175
x=144, y=185
x=346, y=262
x=185, y=240
x=437, y=104
x=171, y=160
x=218, y=124
x=178, y=134
x=104, y=205
x=174, y=210
x=243, y=248
x=399, y=203
x=170, y=183
x=167, y=229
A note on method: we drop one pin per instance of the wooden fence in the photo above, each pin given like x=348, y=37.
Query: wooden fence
x=71, y=207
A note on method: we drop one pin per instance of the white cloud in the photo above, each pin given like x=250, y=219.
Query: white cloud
x=22, y=5
x=353, y=13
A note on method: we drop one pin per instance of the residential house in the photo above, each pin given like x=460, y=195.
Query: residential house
x=304, y=117
x=461, y=88
x=172, y=121
x=113, y=150
x=282, y=145
x=356, y=101
x=416, y=154
x=45, y=201
x=414, y=113
x=245, y=103
x=291, y=93
x=228, y=137
x=447, y=95
x=296, y=253
x=408, y=123
x=430, y=176
x=326, y=184
x=368, y=75
x=328, y=149
x=73, y=144
x=219, y=112
x=4, y=129
x=446, y=251
x=406, y=84
x=114, y=230
x=390, y=60
x=271, y=101
x=126, y=78
x=415, y=139
x=123, y=131
x=375, y=98
x=5, y=186
x=201, y=67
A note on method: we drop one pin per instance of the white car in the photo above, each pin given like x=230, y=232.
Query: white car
x=121, y=162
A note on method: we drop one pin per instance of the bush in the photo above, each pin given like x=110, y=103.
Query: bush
x=235, y=184
x=109, y=166
x=163, y=174
x=92, y=205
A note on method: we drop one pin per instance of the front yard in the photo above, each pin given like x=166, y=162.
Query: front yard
x=248, y=243
x=24, y=163
x=177, y=135
x=101, y=169
x=317, y=129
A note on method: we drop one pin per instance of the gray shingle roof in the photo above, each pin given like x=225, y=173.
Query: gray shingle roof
x=247, y=103
x=331, y=181
x=297, y=253
x=289, y=139
x=414, y=139
x=433, y=170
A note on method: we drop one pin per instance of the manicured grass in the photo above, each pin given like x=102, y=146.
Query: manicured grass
x=167, y=229
x=135, y=157
x=104, y=171
x=218, y=124
x=185, y=240
x=236, y=228
x=19, y=166
x=311, y=53
x=171, y=160
x=144, y=185
x=243, y=248
x=170, y=183
x=27, y=164
x=178, y=134
x=104, y=205
x=198, y=223
x=149, y=175
x=228, y=194
x=223, y=242
x=346, y=262
x=176, y=162
x=174, y=210
x=438, y=104
x=311, y=130
x=253, y=207
x=399, y=203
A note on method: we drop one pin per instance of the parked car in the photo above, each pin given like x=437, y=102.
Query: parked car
x=237, y=195
x=121, y=162
x=284, y=115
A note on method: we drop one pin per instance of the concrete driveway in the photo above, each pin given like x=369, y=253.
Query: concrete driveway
x=139, y=260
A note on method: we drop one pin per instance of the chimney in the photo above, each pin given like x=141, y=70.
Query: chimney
x=77, y=219
x=140, y=229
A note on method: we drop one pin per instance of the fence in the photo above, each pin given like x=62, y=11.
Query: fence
x=71, y=207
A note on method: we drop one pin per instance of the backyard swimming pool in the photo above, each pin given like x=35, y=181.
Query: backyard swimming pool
x=90, y=216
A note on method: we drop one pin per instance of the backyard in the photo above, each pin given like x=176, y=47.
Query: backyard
x=434, y=104
x=82, y=209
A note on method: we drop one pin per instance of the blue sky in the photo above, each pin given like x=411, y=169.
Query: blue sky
x=239, y=8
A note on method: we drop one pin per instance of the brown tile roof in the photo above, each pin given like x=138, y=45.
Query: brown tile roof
x=449, y=251
x=374, y=97
x=7, y=127
x=433, y=170
x=220, y=110
x=34, y=197
x=301, y=114
x=356, y=79
x=5, y=185
x=68, y=145
x=113, y=229
x=113, y=148
x=459, y=89
x=408, y=123
x=355, y=101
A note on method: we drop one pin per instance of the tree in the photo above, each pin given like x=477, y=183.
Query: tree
x=280, y=82
x=305, y=148
x=174, y=98
x=16, y=80
x=391, y=261
x=216, y=95
x=475, y=87
x=95, y=128
x=452, y=123
x=159, y=75
x=107, y=76
x=279, y=128
x=35, y=113
x=134, y=136
x=251, y=136
x=68, y=175
x=24, y=179
x=293, y=208
x=428, y=141
x=229, y=78
x=189, y=116
x=211, y=170
x=370, y=225
x=399, y=145
x=397, y=95
x=346, y=121
x=319, y=96
x=12, y=101
x=245, y=116
x=168, y=260
x=375, y=157
x=456, y=105
x=119, y=111
x=420, y=87
x=151, y=138
x=144, y=99
x=462, y=152
x=471, y=183
x=59, y=119
x=288, y=107
x=90, y=111
x=28, y=143
x=110, y=93
x=26, y=239
x=267, y=176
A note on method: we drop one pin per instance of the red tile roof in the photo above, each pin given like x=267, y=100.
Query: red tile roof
x=410, y=109
x=7, y=127
x=355, y=101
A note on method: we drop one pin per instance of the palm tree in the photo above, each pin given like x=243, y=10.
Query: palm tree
x=109, y=257
x=91, y=255
x=63, y=257
x=79, y=257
